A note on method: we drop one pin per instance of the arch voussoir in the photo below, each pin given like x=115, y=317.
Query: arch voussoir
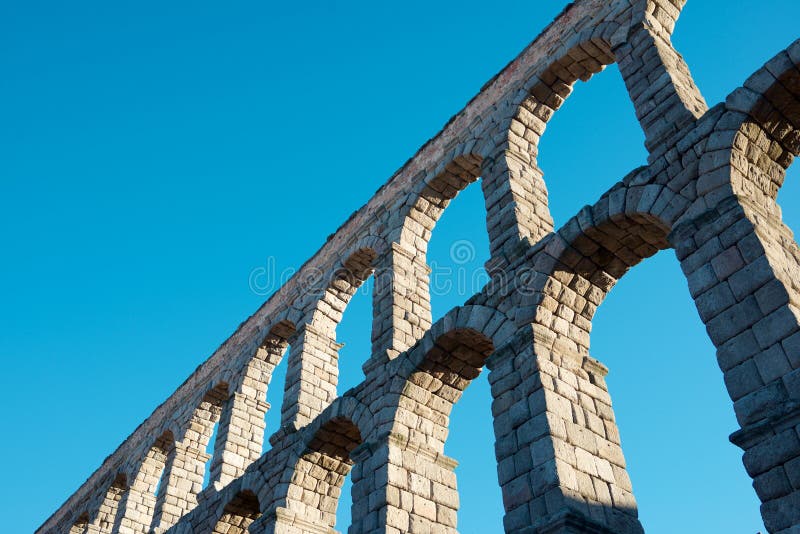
x=312, y=474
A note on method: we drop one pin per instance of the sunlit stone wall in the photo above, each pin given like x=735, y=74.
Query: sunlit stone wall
x=708, y=193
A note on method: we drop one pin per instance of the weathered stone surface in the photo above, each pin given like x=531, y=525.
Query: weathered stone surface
x=709, y=192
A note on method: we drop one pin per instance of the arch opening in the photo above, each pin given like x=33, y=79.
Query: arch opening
x=204, y=423
x=422, y=276
x=584, y=265
x=662, y=367
x=424, y=212
x=107, y=515
x=425, y=400
x=269, y=368
x=140, y=502
x=437, y=384
x=211, y=446
x=352, y=279
x=343, y=284
x=574, y=274
x=238, y=514
x=555, y=151
x=319, y=474
x=457, y=252
x=355, y=347
x=577, y=138
x=312, y=377
x=351, y=293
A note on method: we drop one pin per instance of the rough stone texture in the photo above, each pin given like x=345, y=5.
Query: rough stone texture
x=708, y=192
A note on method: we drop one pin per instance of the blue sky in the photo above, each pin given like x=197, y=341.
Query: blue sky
x=152, y=155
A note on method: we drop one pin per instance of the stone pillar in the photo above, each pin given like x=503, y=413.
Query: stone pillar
x=400, y=486
x=137, y=506
x=107, y=514
x=743, y=269
x=138, y=503
x=560, y=462
x=401, y=305
x=311, y=376
x=363, y=486
x=240, y=437
x=660, y=85
x=516, y=201
x=182, y=482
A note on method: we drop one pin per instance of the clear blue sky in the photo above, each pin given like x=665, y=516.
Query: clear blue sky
x=153, y=154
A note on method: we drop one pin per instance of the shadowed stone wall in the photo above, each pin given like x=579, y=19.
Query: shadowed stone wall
x=708, y=193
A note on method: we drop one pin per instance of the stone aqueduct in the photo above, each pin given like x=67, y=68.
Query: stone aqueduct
x=708, y=192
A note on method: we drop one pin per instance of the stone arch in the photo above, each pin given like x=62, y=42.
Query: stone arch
x=186, y=465
x=198, y=431
x=320, y=471
x=743, y=268
x=435, y=372
x=585, y=55
x=405, y=478
x=356, y=266
x=586, y=258
x=439, y=378
x=258, y=371
x=425, y=206
x=80, y=525
x=241, y=427
x=422, y=425
x=741, y=173
x=514, y=186
x=310, y=480
x=735, y=229
x=369, y=256
x=110, y=507
x=406, y=316
x=559, y=409
x=138, y=504
x=313, y=372
x=758, y=137
x=238, y=514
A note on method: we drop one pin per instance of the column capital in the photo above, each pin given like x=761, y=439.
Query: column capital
x=376, y=361
x=595, y=367
x=189, y=451
x=366, y=449
x=783, y=417
x=330, y=337
x=284, y=517
x=247, y=399
x=284, y=431
x=416, y=259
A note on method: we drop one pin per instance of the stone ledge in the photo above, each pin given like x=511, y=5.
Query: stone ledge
x=365, y=450
x=284, y=516
x=568, y=522
x=783, y=417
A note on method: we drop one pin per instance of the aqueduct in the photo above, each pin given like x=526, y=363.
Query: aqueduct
x=708, y=192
